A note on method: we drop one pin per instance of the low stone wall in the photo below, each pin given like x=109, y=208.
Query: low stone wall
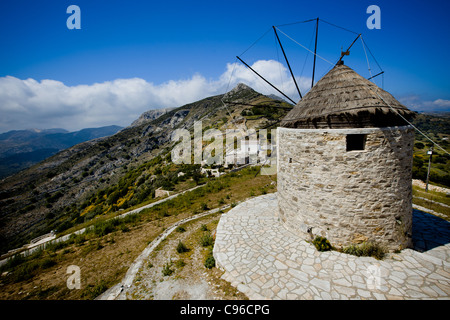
x=431, y=187
x=347, y=196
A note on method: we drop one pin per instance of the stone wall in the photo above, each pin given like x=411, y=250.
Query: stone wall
x=431, y=187
x=347, y=196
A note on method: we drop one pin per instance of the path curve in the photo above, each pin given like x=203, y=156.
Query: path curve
x=114, y=292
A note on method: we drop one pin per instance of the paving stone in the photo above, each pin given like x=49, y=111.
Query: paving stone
x=297, y=274
x=268, y=284
x=415, y=294
x=338, y=266
x=352, y=265
x=308, y=269
x=379, y=296
x=430, y=292
x=299, y=291
x=280, y=266
x=325, y=295
x=346, y=291
x=342, y=282
x=253, y=245
x=322, y=284
x=393, y=291
x=335, y=295
x=444, y=286
x=283, y=293
x=291, y=263
x=393, y=297
x=399, y=275
x=276, y=289
x=291, y=296
x=364, y=293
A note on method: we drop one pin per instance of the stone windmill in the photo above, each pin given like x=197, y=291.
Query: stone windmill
x=344, y=163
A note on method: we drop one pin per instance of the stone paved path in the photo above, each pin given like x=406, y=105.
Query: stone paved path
x=265, y=261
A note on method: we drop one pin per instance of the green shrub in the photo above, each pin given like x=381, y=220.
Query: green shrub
x=322, y=243
x=366, y=249
x=181, y=247
x=181, y=229
x=103, y=228
x=130, y=218
x=55, y=246
x=124, y=228
x=98, y=245
x=166, y=271
x=180, y=263
x=78, y=239
x=207, y=240
x=93, y=291
x=204, y=227
x=47, y=263
x=210, y=262
x=25, y=271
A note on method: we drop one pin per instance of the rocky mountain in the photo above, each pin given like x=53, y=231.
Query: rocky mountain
x=275, y=97
x=150, y=115
x=109, y=173
x=19, y=149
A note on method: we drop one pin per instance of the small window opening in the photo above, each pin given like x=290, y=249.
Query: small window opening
x=290, y=160
x=356, y=142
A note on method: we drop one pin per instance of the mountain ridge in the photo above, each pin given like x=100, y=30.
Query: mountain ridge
x=150, y=115
x=20, y=149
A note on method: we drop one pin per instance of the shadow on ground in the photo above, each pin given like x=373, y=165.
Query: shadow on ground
x=429, y=231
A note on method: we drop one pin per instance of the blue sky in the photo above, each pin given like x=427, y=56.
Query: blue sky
x=181, y=51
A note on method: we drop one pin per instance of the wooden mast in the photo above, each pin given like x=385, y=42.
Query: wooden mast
x=290, y=70
x=315, y=53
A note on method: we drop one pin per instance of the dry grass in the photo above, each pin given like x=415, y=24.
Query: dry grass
x=104, y=260
x=188, y=277
x=436, y=201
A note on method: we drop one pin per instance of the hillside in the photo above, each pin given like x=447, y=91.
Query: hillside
x=20, y=149
x=108, y=174
x=106, y=251
x=437, y=127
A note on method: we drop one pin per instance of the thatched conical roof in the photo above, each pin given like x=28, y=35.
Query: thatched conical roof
x=344, y=99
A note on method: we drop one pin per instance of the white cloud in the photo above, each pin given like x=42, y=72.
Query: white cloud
x=415, y=103
x=51, y=104
x=442, y=103
x=273, y=71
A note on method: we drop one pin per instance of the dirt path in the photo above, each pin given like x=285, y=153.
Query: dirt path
x=189, y=278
